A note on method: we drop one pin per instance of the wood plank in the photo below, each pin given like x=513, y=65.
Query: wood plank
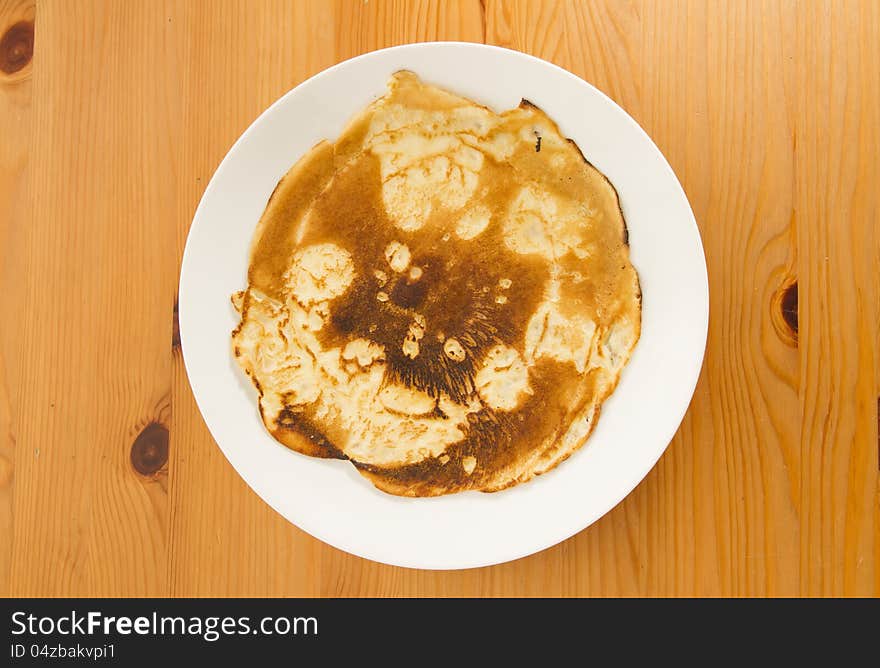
x=722, y=121
x=837, y=116
x=16, y=67
x=91, y=366
x=254, y=551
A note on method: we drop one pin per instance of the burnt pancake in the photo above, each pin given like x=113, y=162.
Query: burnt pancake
x=443, y=296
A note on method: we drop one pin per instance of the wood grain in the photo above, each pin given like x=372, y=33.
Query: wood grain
x=16, y=67
x=837, y=118
x=766, y=109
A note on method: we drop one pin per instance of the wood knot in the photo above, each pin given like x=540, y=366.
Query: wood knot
x=17, y=47
x=149, y=452
x=789, y=307
x=785, y=312
x=175, y=328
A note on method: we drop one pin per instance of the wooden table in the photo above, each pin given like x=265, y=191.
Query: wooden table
x=113, y=118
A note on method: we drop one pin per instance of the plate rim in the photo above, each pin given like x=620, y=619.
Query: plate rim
x=648, y=463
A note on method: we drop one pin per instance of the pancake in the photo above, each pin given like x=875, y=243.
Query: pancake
x=443, y=296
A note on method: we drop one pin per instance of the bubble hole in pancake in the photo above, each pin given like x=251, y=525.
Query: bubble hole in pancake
x=443, y=296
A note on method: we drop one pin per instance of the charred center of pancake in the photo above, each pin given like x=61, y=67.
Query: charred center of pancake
x=409, y=293
x=401, y=281
x=437, y=307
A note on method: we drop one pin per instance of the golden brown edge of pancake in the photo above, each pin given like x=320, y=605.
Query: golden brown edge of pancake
x=524, y=103
x=314, y=445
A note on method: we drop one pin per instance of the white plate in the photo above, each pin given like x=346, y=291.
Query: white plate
x=328, y=499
